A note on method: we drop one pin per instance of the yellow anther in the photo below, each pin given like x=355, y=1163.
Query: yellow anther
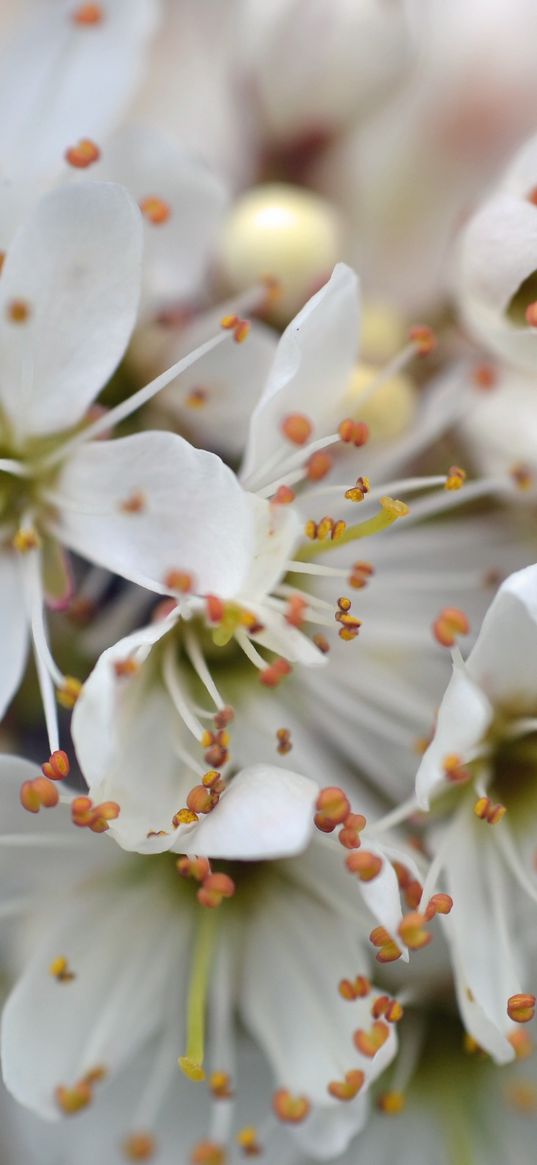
x=392, y=1103
x=184, y=817
x=247, y=1140
x=487, y=811
x=455, y=479
x=220, y=1085
x=26, y=539
x=69, y=692
x=59, y=969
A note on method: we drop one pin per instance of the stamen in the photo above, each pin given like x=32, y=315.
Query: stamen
x=247, y=1140
x=85, y=814
x=57, y=767
x=172, y=681
x=521, y=1008
x=288, y=1108
x=192, y=1062
x=391, y=1103
x=366, y=866
x=199, y=664
x=352, y=989
x=348, y=1088
x=238, y=327
x=413, y=932
x=370, y=1042
x=297, y=428
x=139, y=1147
x=84, y=154
x=487, y=811
x=155, y=209
x=208, y=1153
x=332, y=808
x=387, y=949
x=88, y=14
x=450, y=623
x=60, y=970
x=389, y=512
x=38, y=794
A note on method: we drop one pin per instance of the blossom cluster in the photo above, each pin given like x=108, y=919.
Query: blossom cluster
x=268, y=679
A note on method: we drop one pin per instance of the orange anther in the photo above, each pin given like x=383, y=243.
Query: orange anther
x=353, y=432
x=288, y=1108
x=273, y=675
x=284, y=496
x=450, y=623
x=522, y=1044
x=201, y=799
x=220, y=1085
x=454, y=769
x=95, y=817
x=18, y=311
x=424, y=339
x=438, y=904
x=348, y=1088
x=366, y=866
x=88, y=14
x=348, y=836
x=531, y=315
x=385, y=1006
x=124, y=668
x=72, y=1100
x=532, y=196
x=283, y=737
x=238, y=326
x=84, y=154
x=139, y=1147
x=215, y=608
x=156, y=210
x=184, y=817
x=297, y=428
x=413, y=892
x=344, y=603
x=413, y=931
x=180, y=580
x=224, y=716
x=318, y=465
x=134, y=504
x=208, y=1153
x=196, y=868
x=456, y=478
x=352, y=989
x=214, y=889
x=521, y=1008
x=360, y=574
x=332, y=808
x=295, y=611
x=60, y=970
x=247, y=1140
x=485, y=376
x=487, y=811
x=57, y=767
x=38, y=794
x=391, y=1103
x=370, y=1042
x=387, y=949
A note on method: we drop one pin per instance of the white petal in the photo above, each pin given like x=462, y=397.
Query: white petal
x=267, y=812
x=177, y=252
x=62, y=81
x=194, y=515
x=504, y=659
x=464, y=716
x=76, y=264
x=14, y=629
x=310, y=372
x=121, y=943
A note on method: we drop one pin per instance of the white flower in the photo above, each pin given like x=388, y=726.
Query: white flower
x=126, y=962
x=485, y=740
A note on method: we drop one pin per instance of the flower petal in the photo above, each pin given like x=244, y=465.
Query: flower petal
x=266, y=812
x=463, y=718
x=310, y=372
x=504, y=659
x=150, y=503
x=75, y=266
x=14, y=629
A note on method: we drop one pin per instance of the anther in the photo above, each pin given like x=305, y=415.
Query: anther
x=288, y=1108
x=72, y=1100
x=531, y=314
x=391, y=1103
x=332, y=808
x=348, y=1088
x=522, y=1044
x=438, y=904
x=57, y=767
x=521, y=1008
x=413, y=931
x=485, y=376
x=139, y=1147
x=321, y=642
x=454, y=769
x=297, y=428
x=284, y=745
x=456, y=478
x=360, y=574
x=156, y=210
x=60, y=970
x=353, y=432
x=181, y=581
x=25, y=540
x=134, y=504
x=184, y=817
x=366, y=866
x=38, y=794
x=212, y=779
x=295, y=611
x=388, y=1008
x=522, y=476
x=208, y=1153
x=85, y=814
x=125, y=668
x=84, y=154
x=246, y=1139
x=18, y=311
x=424, y=339
x=284, y=496
x=67, y=695
x=352, y=989
x=349, y=835
x=214, y=889
x=196, y=868
x=387, y=949
x=224, y=716
x=220, y=1085
x=370, y=1042
x=215, y=609
x=272, y=675
x=450, y=623
x=88, y=14
x=487, y=811
x=202, y=800
x=238, y=326
x=358, y=491
x=197, y=398
x=319, y=465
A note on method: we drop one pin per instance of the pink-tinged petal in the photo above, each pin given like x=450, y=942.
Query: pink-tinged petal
x=464, y=716
x=62, y=80
x=149, y=504
x=310, y=373
x=191, y=200
x=14, y=628
x=504, y=659
x=266, y=812
x=73, y=272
